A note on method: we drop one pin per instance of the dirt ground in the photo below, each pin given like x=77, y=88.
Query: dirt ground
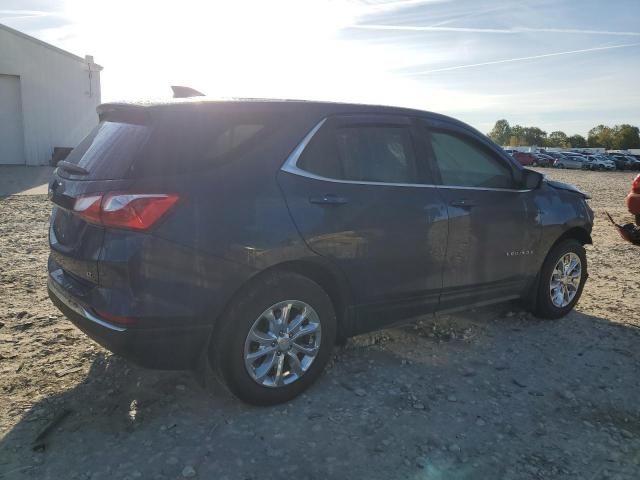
x=489, y=394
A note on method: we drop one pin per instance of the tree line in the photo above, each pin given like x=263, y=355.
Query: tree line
x=618, y=137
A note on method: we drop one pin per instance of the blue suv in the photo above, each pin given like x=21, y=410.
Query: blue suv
x=252, y=235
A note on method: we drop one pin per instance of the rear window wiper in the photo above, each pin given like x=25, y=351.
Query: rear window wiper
x=72, y=168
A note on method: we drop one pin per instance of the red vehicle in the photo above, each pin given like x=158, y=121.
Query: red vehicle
x=525, y=159
x=631, y=232
x=633, y=199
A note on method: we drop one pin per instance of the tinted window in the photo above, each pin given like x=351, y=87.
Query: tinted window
x=109, y=150
x=188, y=141
x=179, y=142
x=463, y=162
x=362, y=153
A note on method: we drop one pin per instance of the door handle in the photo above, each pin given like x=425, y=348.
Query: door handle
x=328, y=199
x=463, y=203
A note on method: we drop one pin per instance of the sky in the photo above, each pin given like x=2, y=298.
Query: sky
x=557, y=64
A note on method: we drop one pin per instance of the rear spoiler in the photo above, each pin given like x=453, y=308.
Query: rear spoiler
x=123, y=112
x=185, y=92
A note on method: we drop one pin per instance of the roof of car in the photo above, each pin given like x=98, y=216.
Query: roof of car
x=324, y=107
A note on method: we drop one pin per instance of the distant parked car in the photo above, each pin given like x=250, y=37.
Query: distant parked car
x=544, y=160
x=634, y=163
x=625, y=162
x=621, y=162
x=525, y=159
x=597, y=162
x=555, y=156
x=577, y=162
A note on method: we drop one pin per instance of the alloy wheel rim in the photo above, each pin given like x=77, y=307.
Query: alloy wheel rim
x=565, y=280
x=282, y=343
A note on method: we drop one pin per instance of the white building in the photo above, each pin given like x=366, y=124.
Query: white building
x=48, y=98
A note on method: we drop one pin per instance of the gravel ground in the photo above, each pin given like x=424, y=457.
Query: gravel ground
x=489, y=394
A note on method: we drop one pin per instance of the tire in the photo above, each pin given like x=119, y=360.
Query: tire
x=534, y=164
x=560, y=165
x=544, y=305
x=231, y=342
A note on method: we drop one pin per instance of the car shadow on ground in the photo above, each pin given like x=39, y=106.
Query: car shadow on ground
x=488, y=394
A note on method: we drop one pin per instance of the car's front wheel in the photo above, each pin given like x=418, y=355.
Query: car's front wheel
x=561, y=280
x=275, y=339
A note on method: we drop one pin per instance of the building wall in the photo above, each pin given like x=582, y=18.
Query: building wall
x=59, y=94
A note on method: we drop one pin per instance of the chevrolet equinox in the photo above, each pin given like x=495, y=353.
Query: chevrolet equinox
x=252, y=235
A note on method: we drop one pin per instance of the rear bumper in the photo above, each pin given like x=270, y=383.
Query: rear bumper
x=170, y=348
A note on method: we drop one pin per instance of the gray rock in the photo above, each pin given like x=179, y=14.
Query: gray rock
x=567, y=395
x=360, y=392
x=188, y=472
x=626, y=433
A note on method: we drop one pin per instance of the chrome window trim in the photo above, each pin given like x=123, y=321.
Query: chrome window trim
x=291, y=166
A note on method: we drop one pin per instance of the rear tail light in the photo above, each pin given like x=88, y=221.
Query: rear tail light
x=135, y=211
x=635, y=185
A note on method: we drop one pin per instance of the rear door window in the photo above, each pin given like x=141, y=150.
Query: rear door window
x=361, y=152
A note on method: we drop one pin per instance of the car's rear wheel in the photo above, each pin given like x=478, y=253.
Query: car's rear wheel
x=561, y=280
x=561, y=165
x=274, y=342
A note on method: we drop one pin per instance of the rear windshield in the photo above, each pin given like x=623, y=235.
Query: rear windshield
x=173, y=142
x=109, y=150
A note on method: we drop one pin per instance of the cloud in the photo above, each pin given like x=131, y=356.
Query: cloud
x=508, y=31
x=23, y=14
x=521, y=59
x=393, y=5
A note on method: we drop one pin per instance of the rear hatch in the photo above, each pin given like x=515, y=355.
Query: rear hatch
x=146, y=152
x=100, y=163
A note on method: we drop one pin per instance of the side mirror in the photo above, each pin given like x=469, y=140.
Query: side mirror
x=530, y=180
